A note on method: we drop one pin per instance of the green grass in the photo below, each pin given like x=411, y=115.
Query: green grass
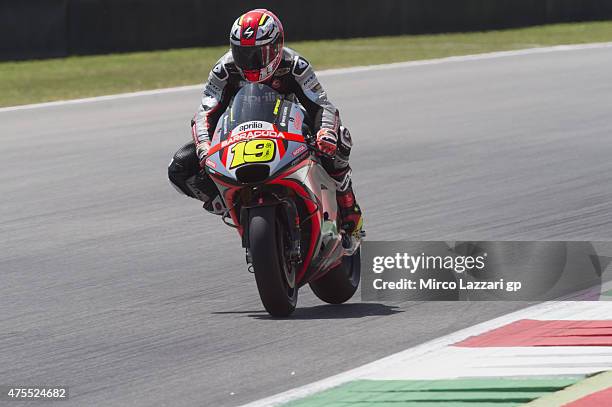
x=76, y=77
x=486, y=391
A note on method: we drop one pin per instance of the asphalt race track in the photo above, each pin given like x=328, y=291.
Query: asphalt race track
x=113, y=284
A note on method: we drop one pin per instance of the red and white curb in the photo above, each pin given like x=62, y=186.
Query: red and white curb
x=573, y=339
x=447, y=357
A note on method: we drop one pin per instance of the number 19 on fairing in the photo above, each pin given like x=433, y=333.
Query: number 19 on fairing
x=254, y=151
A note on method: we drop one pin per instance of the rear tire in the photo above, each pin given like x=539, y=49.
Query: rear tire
x=274, y=275
x=341, y=282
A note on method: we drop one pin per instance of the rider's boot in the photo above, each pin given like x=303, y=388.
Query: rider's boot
x=209, y=194
x=215, y=206
x=350, y=213
x=351, y=220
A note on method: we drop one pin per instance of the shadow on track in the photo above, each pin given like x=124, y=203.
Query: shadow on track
x=356, y=310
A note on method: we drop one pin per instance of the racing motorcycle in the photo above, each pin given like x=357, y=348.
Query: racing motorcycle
x=281, y=200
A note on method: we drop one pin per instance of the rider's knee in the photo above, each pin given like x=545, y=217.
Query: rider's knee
x=183, y=168
x=343, y=178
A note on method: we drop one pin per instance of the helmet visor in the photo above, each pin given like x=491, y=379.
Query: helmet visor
x=250, y=58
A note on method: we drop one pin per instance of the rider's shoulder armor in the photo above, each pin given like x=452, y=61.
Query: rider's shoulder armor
x=297, y=64
x=225, y=70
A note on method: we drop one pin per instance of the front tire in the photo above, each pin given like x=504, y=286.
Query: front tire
x=340, y=283
x=274, y=274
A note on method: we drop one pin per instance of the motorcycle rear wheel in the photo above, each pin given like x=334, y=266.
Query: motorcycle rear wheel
x=340, y=283
x=274, y=274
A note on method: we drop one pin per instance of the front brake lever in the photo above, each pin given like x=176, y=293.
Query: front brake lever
x=311, y=143
x=320, y=153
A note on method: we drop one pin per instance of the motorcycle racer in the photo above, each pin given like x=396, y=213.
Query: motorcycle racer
x=257, y=55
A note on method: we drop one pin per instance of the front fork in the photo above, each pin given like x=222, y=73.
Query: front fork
x=292, y=220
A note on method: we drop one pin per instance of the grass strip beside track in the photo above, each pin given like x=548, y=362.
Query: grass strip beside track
x=77, y=77
x=480, y=392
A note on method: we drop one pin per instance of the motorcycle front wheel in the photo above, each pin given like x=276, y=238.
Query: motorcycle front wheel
x=274, y=273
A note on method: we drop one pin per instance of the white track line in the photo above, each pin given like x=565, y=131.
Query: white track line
x=555, y=308
x=517, y=361
x=102, y=98
x=331, y=72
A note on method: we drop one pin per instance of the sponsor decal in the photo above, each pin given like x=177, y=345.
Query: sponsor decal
x=211, y=163
x=311, y=82
x=249, y=126
x=299, y=150
x=248, y=33
x=253, y=134
x=268, y=70
x=283, y=121
x=253, y=99
x=276, y=83
x=298, y=120
x=213, y=90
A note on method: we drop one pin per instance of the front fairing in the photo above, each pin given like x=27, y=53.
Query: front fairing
x=261, y=128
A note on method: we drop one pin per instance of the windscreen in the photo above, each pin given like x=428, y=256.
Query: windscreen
x=254, y=101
